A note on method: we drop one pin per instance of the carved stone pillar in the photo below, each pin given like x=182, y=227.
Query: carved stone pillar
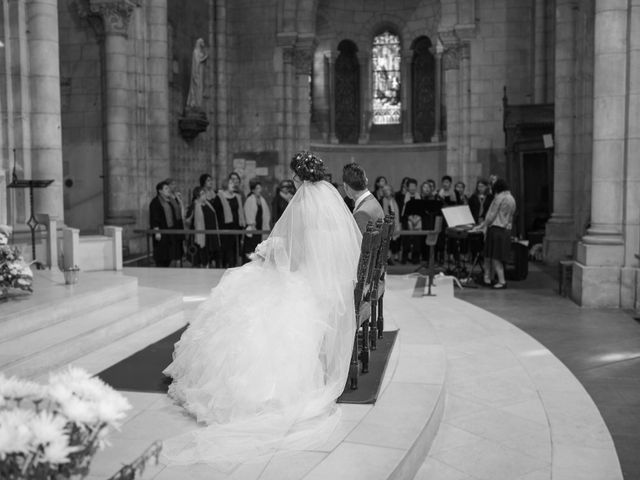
x=451, y=64
x=366, y=107
x=221, y=88
x=329, y=65
x=465, y=113
x=44, y=83
x=302, y=62
x=600, y=254
x=405, y=86
x=111, y=18
x=437, y=133
x=560, y=230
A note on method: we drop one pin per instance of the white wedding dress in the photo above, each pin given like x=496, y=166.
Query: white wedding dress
x=267, y=354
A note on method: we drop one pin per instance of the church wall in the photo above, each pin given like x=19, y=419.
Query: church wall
x=81, y=91
x=501, y=55
x=189, y=159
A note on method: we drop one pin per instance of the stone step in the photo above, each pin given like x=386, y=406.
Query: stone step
x=57, y=345
x=53, y=301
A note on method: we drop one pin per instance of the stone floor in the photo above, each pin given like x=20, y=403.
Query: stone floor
x=600, y=347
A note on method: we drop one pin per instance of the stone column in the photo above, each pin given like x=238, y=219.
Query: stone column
x=289, y=92
x=630, y=275
x=329, y=64
x=600, y=254
x=221, y=85
x=437, y=134
x=44, y=80
x=158, y=96
x=539, y=51
x=366, y=108
x=451, y=61
x=405, y=87
x=115, y=16
x=465, y=113
x=560, y=230
x=302, y=61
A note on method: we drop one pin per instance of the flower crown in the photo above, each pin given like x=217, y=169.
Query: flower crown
x=308, y=167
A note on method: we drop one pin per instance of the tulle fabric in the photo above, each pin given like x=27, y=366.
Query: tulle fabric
x=267, y=354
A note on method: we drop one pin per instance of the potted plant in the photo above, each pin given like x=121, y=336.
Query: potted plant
x=51, y=432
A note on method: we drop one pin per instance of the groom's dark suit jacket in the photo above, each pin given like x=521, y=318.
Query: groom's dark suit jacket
x=369, y=209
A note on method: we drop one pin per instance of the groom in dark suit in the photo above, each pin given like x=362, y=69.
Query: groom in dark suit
x=355, y=186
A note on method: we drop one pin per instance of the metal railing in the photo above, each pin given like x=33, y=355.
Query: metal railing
x=150, y=232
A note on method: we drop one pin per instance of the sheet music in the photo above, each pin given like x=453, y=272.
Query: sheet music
x=458, y=215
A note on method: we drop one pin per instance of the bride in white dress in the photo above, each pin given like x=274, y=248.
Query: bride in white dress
x=267, y=354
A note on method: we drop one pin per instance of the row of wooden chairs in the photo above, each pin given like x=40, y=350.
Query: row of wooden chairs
x=369, y=294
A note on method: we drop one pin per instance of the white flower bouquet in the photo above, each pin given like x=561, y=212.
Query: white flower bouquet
x=51, y=432
x=14, y=271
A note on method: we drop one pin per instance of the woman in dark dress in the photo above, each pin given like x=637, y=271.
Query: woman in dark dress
x=228, y=207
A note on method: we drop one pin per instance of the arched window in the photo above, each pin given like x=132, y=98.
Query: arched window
x=347, y=93
x=386, y=79
x=423, y=95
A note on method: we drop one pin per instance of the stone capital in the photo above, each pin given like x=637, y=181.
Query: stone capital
x=451, y=58
x=114, y=15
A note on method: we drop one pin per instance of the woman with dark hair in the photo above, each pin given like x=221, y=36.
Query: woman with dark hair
x=480, y=200
x=265, y=358
x=461, y=196
x=206, y=182
x=497, y=224
x=377, y=188
x=257, y=215
x=400, y=194
x=285, y=191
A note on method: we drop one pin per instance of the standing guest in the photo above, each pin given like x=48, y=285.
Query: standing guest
x=206, y=182
x=284, y=193
x=434, y=187
x=446, y=193
x=196, y=220
x=211, y=222
x=377, y=188
x=480, y=200
x=461, y=197
x=497, y=224
x=179, y=211
x=411, y=219
x=228, y=206
x=366, y=207
x=162, y=217
x=401, y=193
x=390, y=206
x=258, y=217
x=237, y=184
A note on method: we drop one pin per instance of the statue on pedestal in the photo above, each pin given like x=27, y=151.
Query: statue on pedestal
x=195, y=119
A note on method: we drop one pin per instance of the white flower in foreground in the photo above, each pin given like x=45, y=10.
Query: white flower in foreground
x=58, y=451
x=112, y=408
x=79, y=411
x=4, y=240
x=16, y=435
x=59, y=393
x=48, y=427
x=14, y=388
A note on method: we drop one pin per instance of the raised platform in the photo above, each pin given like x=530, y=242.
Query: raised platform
x=466, y=395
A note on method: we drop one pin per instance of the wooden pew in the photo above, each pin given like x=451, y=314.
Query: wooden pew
x=380, y=270
x=362, y=296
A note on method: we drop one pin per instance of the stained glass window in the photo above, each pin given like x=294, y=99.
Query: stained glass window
x=386, y=79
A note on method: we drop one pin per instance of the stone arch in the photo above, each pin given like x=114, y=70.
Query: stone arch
x=377, y=23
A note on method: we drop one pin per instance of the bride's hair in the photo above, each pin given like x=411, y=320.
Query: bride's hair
x=308, y=167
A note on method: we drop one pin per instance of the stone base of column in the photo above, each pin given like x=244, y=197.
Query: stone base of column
x=630, y=288
x=558, y=241
x=597, y=275
x=407, y=138
x=595, y=286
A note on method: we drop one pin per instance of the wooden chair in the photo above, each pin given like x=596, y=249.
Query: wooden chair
x=362, y=297
x=387, y=228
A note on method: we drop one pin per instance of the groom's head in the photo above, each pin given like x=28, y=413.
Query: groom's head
x=354, y=179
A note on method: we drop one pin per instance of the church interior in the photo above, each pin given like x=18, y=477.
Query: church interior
x=104, y=101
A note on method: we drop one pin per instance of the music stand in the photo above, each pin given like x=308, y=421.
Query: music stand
x=32, y=221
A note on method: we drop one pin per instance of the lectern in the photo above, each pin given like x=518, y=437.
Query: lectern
x=32, y=222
